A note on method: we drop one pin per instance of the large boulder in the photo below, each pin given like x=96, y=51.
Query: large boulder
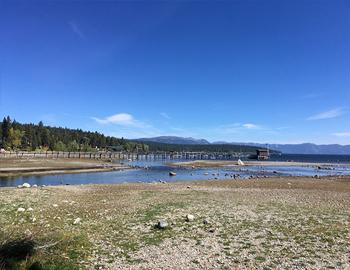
x=189, y=217
x=162, y=224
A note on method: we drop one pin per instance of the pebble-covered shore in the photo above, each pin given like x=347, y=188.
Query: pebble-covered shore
x=273, y=223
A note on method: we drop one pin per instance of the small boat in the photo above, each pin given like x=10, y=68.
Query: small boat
x=172, y=173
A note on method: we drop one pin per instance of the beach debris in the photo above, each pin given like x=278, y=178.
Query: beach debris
x=77, y=221
x=55, y=205
x=172, y=173
x=240, y=162
x=189, y=217
x=21, y=209
x=162, y=224
x=26, y=185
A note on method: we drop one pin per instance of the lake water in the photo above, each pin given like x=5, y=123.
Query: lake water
x=159, y=171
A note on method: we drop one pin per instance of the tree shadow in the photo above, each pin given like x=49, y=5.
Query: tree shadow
x=14, y=252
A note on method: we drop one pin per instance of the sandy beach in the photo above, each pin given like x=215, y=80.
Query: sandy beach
x=228, y=163
x=273, y=223
x=38, y=166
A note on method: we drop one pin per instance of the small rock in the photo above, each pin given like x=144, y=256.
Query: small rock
x=35, y=185
x=200, y=243
x=19, y=186
x=26, y=185
x=206, y=221
x=189, y=217
x=162, y=224
x=21, y=209
x=77, y=221
x=28, y=233
x=30, y=209
x=188, y=187
x=212, y=230
x=55, y=205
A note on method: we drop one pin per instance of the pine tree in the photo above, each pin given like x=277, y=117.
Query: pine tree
x=6, y=125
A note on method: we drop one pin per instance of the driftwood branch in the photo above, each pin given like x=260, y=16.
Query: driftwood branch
x=48, y=245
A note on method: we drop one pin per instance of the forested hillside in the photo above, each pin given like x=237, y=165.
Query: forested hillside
x=17, y=136
x=223, y=148
x=31, y=137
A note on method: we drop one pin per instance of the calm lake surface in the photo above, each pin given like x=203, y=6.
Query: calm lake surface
x=159, y=171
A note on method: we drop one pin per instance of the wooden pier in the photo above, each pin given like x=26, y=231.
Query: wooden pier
x=123, y=155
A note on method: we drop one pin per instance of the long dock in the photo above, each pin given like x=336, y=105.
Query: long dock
x=123, y=155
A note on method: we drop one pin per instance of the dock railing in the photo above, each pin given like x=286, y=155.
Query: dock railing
x=119, y=155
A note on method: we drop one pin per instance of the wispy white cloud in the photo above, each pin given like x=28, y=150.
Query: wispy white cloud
x=251, y=126
x=342, y=134
x=122, y=119
x=237, y=128
x=76, y=29
x=165, y=115
x=327, y=115
x=127, y=126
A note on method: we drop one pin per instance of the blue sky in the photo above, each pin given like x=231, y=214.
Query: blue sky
x=261, y=71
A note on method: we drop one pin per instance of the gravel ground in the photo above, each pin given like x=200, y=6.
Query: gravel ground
x=276, y=223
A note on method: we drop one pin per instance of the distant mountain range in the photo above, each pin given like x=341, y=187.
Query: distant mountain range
x=174, y=140
x=304, y=148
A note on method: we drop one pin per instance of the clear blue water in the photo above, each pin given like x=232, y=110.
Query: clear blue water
x=159, y=171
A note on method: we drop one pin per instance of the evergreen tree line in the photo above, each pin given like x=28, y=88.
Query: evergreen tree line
x=213, y=148
x=31, y=137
